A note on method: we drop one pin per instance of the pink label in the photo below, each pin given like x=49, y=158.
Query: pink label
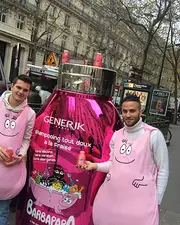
x=58, y=192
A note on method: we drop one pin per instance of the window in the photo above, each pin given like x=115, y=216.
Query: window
x=88, y=49
x=30, y=55
x=33, y=29
x=52, y=10
x=48, y=39
x=79, y=28
x=33, y=2
x=67, y=20
x=22, y=2
x=3, y=15
x=69, y=2
x=76, y=48
x=83, y=8
x=63, y=42
x=20, y=22
x=90, y=33
x=94, y=15
x=93, y=53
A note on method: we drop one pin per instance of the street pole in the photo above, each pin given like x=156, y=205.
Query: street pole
x=163, y=59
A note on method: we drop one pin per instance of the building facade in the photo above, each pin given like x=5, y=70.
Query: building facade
x=30, y=30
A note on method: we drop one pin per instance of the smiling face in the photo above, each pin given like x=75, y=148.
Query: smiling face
x=10, y=126
x=131, y=113
x=126, y=155
x=68, y=200
x=20, y=91
x=59, y=173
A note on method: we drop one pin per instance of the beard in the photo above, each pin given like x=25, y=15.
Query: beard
x=131, y=123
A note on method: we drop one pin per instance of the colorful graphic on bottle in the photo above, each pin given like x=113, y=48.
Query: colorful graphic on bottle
x=54, y=191
x=72, y=127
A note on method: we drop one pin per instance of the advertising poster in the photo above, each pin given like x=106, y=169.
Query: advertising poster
x=159, y=102
x=57, y=192
x=143, y=96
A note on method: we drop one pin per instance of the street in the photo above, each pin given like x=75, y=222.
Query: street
x=170, y=208
x=170, y=214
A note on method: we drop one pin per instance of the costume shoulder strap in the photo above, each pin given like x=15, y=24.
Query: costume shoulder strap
x=149, y=127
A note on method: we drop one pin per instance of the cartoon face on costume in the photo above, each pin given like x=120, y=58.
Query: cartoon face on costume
x=9, y=129
x=126, y=154
x=68, y=200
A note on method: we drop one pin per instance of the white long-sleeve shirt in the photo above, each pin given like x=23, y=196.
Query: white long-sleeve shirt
x=159, y=153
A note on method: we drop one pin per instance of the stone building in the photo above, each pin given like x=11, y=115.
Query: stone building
x=31, y=29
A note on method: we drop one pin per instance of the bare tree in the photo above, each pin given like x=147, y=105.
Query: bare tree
x=172, y=52
x=143, y=18
x=44, y=25
x=173, y=56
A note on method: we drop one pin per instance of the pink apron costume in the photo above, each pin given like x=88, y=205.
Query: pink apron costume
x=12, y=127
x=128, y=195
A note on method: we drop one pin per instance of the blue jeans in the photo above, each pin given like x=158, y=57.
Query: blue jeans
x=4, y=211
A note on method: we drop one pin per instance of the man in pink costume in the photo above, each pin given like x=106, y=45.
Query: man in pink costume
x=16, y=125
x=137, y=172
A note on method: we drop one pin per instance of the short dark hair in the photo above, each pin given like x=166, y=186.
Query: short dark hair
x=24, y=78
x=131, y=98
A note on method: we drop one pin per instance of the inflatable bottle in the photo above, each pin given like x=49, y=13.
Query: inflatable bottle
x=71, y=121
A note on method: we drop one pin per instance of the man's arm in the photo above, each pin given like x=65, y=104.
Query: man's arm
x=105, y=166
x=27, y=133
x=160, y=155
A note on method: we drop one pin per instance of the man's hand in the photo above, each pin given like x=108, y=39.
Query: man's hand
x=88, y=166
x=16, y=160
x=4, y=157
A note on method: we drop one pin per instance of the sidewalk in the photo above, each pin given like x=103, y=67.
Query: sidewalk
x=170, y=214
x=169, y=218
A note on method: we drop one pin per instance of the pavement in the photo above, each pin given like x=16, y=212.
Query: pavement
x=170, y=208
x=170, y=213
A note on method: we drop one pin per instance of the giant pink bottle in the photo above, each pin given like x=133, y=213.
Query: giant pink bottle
x=72, y=120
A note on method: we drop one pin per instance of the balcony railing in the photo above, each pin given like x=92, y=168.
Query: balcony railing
x=80, y=13
x=26, y=6
x=87, y=19
x=51, y=47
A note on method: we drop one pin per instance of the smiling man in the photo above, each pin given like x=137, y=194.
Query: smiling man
x=16, y=125
x=137, y=172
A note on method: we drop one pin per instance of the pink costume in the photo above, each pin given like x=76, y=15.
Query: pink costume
x=12, y=128
x=128, y=195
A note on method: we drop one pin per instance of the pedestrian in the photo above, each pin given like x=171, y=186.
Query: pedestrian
x=137, y=172
x=43, y=94
x=16, y=125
